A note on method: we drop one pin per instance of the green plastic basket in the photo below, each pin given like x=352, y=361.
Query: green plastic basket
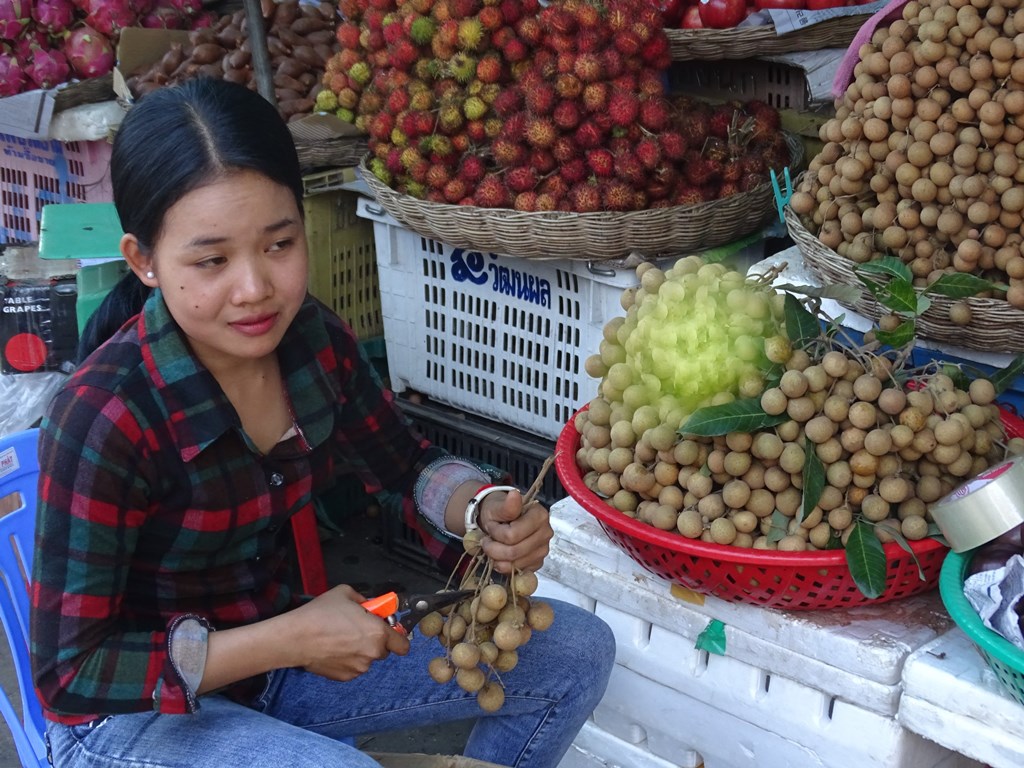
x=1002, y=656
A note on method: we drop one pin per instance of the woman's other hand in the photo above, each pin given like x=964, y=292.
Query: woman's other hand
x=514, y=536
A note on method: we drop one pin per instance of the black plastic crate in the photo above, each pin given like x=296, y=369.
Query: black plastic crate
x=489, y=442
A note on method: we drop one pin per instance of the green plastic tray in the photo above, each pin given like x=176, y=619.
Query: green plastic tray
x=79, y=231
x=1002, y=656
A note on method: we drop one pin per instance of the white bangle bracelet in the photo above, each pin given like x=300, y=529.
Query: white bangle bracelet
x=473, y=507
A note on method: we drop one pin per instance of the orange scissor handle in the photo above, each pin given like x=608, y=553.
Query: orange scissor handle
x=383, y=605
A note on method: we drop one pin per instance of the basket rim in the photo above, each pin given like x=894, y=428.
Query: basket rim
x=951, y=590
x=572, y=482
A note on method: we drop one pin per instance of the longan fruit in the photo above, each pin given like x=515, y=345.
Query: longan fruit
x=699, y=485
x=840, y=518
x=465, y=655
x=852, y=439
x=524, y=583
x=540, y=616
x=711, y=506
x=494, y=596
x=723, y=531
x=788, y=431
x=835, y=364
x=440, y=669
x=878, y=441
x=470, y=680
x=506, y=661
x=863, y=463
x=507, y=636
x=867, y=387
x=839, y=474
x=948, y=432
x=792, y=458
x=863, y=415
x=817, y=379
x=761, y=502
x=788, y=501
x=793, y=383
x=773, y=401
x=471, y=541
x=737, y=463
x=892, y=400
x=767, y=446
x=911, y=506
x=914, y=527
x=792, y=543
x=874, y=508
x=929, y=489
x=819, y=429
x=744, y=521
x=836, y=408
x=800, y=409
x=431, y=624
x=894, y=489
x=491, y=696
x=913, y=417
x=735, y=494
x=690, y=523
x=663, y=517
x=982, y=392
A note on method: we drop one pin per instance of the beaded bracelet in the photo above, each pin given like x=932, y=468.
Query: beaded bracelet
x=473, y=507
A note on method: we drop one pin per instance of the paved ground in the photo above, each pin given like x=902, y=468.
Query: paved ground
x=360, y=557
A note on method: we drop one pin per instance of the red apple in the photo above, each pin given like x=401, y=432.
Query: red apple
x=691, y=18
x=790, y=5
x=722, y=14
x=820, y=5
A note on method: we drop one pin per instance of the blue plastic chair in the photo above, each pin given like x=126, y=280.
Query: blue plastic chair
x=19, y=472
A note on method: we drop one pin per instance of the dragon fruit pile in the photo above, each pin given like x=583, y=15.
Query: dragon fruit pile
x=46, y=42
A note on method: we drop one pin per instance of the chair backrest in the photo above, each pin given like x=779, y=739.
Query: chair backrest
x=19, y=474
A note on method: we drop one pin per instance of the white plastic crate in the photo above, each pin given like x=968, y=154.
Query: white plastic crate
x=792, y=689
x=952, y=697
x=498, y=336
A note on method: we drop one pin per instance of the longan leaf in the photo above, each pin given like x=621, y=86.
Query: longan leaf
x=960, y=285
x=801, y=325
x=814, y=480
x=712, y=638
x=901, y=335
x=893, y=529
x=897, y=295
x=866, y=560
x=779, y=527
x=1004, y=378
x=923, y=304
x=887, y=265
x=744, y=415
x=837, y=291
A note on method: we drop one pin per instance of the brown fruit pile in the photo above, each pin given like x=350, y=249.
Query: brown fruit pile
x=923, y=158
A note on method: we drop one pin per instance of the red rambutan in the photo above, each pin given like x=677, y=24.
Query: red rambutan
x=508, y=153
x=491, y=18
x=655, y=114
x=588, y=67
x=650, y=82
x=489, y=69
x=566, y=115
x=656, y=52
x=648, y=152
x=491, y=193
x=511, y=11
x=595, y=97
x=574, y=171
x=514, y=50
x=543, y=160
x=347, y=35
x=540, y=99
x=454, y=190
x=472, y=169
x=602, y=162
x=521, y=178
x=564, y=149
x=629, y=169
x=611, y=62
x=585, y=198
x=530, y=30
x=623, y=107
x=568, y=86
x=437, y=176
x=626, y=42
x=540, y=132
x=588, y=135
x=525, y=201
x=545, y=202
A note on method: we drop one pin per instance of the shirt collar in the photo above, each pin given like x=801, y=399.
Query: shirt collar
x=197, y=409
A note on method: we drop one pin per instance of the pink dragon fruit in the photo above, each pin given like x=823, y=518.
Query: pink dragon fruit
x=47, y=68
x=89, y=52
x=142, y=7
x=14, y=17
x=30, y=38
x=163, y=17
x=54, y=16
x=186, y=8
x=12, y=76
x=110, y=16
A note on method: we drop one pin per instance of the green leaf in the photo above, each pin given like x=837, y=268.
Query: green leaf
x=773, y=375
x=745, y=415
x=896, y=295
x=712, y=638
x=901, y=335
x=814, y=479
x=893, y=529
x=960, y=285
x=960, y=379
x=923, y=303
x=801, y=325
x=837, y=291
x=1004, y=378
x=887, y=265
x=866, y=560
x=779, y=528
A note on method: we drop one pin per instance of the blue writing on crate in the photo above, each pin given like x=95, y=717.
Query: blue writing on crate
x=475, y=266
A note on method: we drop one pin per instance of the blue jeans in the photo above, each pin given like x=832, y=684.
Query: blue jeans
x=300, y=717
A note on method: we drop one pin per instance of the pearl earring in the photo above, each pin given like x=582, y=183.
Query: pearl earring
x=150, y=275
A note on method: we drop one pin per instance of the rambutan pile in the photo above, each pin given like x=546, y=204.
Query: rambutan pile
x=557, y=108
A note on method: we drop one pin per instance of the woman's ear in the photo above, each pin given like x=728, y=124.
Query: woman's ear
x=139, y=260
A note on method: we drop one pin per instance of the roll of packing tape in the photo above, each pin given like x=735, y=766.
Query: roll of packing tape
x=983, y=508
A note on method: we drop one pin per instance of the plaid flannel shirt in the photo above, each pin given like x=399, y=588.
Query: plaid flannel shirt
x=155, y=504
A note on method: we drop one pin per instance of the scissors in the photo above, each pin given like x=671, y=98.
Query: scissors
x=414, y=606
x=782, y=198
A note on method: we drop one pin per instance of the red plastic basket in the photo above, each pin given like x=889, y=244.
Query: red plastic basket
x=786, y=580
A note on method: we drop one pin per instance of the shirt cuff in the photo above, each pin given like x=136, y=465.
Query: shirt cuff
x=438, y=482
x=187, y=643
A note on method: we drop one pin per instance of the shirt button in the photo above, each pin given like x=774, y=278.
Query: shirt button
x=276, y=479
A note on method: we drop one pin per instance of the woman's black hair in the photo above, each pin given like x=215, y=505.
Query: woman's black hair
x=173, y=141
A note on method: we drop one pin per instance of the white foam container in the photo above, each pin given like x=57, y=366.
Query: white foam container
x=952, y=697
x=795, y=689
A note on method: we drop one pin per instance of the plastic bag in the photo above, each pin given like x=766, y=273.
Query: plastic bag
x=24, y=398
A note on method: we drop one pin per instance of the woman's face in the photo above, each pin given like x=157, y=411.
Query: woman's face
x=232, y=263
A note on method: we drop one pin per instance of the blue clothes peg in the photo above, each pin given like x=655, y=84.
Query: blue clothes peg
x=782, y=199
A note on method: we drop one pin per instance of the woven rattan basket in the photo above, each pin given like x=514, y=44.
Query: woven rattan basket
x=342, y=152
x=995, y=325
x=595, y=236
x=746, y=42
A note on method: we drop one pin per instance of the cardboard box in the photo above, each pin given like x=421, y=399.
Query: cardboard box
x=38, y=324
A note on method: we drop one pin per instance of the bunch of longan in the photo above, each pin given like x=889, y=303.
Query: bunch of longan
x=482, y=633
x=887, y=452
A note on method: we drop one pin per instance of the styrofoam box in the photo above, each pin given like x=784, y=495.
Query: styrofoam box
x=952, y=697
x=816, y=688
x=34, y=173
